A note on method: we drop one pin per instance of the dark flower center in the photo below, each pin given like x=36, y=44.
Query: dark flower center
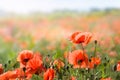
x=80, y=61
x=25, y=60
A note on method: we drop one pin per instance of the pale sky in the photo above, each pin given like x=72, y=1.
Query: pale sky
x=27, y=6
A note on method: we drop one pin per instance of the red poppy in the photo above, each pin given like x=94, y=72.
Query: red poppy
x=106, y=78
x=94, y=61
x=8, y=75
x=118, y=66
x=49, y=74
x=37, y=55
x=22, y=74
x=1, y=69
x=81, y=37
x=35, y=64
x=78, y=59
x=25, y=56
x=73, y=36
x=13, y=75
x=73, y=78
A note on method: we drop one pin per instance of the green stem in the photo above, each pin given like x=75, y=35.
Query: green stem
x=94, y=57
x=82, y=47
x=95, y=48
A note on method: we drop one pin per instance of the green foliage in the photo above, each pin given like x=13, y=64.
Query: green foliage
x=36, y=77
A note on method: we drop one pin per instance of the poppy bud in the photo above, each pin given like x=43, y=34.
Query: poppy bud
x=104, y=64
x=66, y=67
x=114, y=67
x=24, y=69
x=9, y=61
x=95, y=41
x=105, y=58
x=89, y=60
x=5, y=65
x=48, y=55
x=82, y=72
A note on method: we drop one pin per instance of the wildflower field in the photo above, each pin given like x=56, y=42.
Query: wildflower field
x=60, y=46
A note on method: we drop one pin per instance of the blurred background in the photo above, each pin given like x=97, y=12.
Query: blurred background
x=39, y=25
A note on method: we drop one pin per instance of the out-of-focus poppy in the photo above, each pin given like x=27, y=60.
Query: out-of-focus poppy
x=73, y=78
x=94, y=61
x=78, y=59
x=49, y=74
x=118, y=66
x=35, y=64
x=16, y=74
x=106, y=78
x=58, y=63
x=1, y=69
x=113, y=54
x=8, y=75
x=25, y=56
x=37, y=55
x=22, y=74
x=81, y=37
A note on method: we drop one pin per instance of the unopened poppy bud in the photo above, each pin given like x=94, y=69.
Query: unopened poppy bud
x=105, y=58
x=104, y=64
x=82, y=72
x=66, y=67
x=48, y=55
x=89, y=60
x=24, y=69
x=9, y=61
x=71, y=66
x=5, y=65
x=95, y=41
x=92, y=76
x=114, y=67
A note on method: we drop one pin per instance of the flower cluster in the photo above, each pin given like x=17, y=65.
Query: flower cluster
x=76, y=64
x=30, y=63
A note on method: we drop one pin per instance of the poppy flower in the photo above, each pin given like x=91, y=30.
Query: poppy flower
x=24, y=56
x=81, y=37
x=78, y=59
x=118, y=66
x=16, y=74
x=49, y=74
x=106, y=78
x=73, y=36
x=73, y=78
x=1, y=69
x=22, y=74
x=35, y=64
x=94, y=61
x=8, y=75
x=37, y=55
x=58, y=63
